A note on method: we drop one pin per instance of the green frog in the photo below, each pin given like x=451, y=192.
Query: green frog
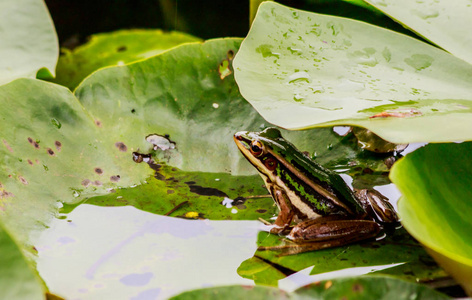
x=325, y=211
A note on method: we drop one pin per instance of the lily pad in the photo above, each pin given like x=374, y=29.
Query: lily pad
x=194, y=195
x=29, y=42
x=18, y=281
x=432, y=20
x=51, y=141
x=398, y=249
x=439, y=189
x=115, y=48
x=303, y=70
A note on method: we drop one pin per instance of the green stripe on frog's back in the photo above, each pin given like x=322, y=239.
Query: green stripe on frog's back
x=304, y=198
x=309, y=173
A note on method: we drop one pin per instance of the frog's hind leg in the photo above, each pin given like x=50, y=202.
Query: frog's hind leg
x=330, y=232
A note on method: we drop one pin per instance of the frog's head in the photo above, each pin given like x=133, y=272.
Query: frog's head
x=259, y=148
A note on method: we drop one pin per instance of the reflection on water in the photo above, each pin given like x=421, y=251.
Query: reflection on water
x=125, y=253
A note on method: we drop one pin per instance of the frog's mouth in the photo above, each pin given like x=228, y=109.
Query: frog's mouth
x=243, y=141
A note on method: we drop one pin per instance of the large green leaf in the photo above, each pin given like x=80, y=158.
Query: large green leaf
x=29, y=41
x=436, y=206
x=115, y=48
x=52, y=151
x=302, y=70
x=366, y=287
x=18, y=281
x=445, y=23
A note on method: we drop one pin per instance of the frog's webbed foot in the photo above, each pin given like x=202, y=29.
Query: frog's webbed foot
x=377, y=206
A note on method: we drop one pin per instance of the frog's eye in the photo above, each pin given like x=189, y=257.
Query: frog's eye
x=270, y=163
x=256, y=148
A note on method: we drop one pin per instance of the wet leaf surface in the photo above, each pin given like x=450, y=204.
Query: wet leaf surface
x=303, y=70
x=432, y=20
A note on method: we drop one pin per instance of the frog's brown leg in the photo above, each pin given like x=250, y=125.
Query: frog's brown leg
x=286, y=214
x=343, y=231
x=326, y=232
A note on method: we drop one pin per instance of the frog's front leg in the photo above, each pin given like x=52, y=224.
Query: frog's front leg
x=330, y=231
x=286, y=214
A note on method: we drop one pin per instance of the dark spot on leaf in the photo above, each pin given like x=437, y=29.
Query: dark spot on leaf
x=97, y=183
x=357, y=288
x=36, y=145
x=30, y=162
x=121, y=49
x=7, y=146
x=86, y=182
x=284, y=270
x=239, y=201
x=22, y=180
x=261, y=211
x=50, y=151
x=30, y=140
x=133, y=111
x=170, y=192
x=98, y=123
x=230, y=54
x=159, y=176
x=428, y=261
x=115, y=178
x=99, y=171
x=190, y=182
x=206, y=191
x=121, y=146
x=58, y=145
